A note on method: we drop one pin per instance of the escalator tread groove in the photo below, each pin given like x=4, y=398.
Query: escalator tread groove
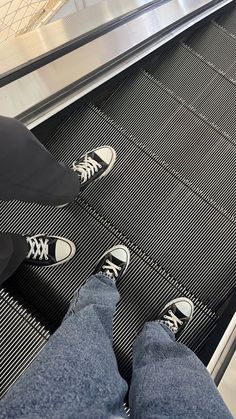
x=155, y=134
x=24, y=329
x=177, y=215
x=227, y=20
x=207, y=42
x=199, y=86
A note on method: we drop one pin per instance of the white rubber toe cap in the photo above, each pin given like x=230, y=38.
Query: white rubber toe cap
x=184, y=305
x=65, y=250
x=107, y=154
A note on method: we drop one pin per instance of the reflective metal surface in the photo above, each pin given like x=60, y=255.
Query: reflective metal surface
x=35, y=45
x=36, y=96
x=226, y=343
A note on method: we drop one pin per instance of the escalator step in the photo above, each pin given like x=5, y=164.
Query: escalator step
x=170, y=198
x=139, y=105
x=22, y=337
x=200, y=85
x=232, y=72
x=228, y=21
x=153, y=208
x=144, y=289
x=183, y=72
x=219, y=105
x=214, y=45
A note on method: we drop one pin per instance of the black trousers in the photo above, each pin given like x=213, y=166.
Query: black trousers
x=28, y=172
x=13, y=250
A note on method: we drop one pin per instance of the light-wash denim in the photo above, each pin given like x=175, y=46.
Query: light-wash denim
x=76, y=374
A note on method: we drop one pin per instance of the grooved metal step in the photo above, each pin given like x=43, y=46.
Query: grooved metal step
x=179, y=136
x=228, y=21
x=148, y=204
x=216, y=46
x=22, y=337
x=170, y=198
x=183, y=72
x=144, y=289
x=211, y=94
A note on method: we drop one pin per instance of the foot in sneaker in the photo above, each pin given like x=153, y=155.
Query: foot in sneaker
x=94, y=165
x=49, y=250
x=177, y=314
x=114, y=262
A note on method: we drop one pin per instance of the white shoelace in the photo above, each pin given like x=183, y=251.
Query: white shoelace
x=111, y=269
x=38, y=248
x=87, y=168
x=172, y=321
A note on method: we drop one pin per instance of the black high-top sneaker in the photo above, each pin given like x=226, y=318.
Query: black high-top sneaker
x=94, y=165
x=114, y=262
x=49, y=250
x=177, y=314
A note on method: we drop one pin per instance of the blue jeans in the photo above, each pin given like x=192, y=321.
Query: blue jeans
x=76, y=375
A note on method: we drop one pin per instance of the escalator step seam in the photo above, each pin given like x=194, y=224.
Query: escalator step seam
x=145, y=257
x=209, y=63
x=166, y=166
x=191, y=108
x=223, y=29
x=15, y=305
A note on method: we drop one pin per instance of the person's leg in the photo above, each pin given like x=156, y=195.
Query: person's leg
x=39, y=250
x=13, y=251
x=169, y=381
x=28, y=172
x=76, y=375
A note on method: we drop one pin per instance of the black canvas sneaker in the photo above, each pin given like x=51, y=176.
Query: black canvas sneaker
x=114, y=262
x=177, y=314
x=49, y=250
x=94, y=165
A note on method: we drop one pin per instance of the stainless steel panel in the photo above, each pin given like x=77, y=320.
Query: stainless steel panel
x=60, y=82
x=31, y=46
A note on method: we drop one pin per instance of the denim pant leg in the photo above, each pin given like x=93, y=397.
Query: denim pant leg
x=76, y=375
x=169, y=381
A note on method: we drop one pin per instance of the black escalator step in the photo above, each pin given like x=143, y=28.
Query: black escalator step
x=231, y=72
x=22, y=338
x=157, y=193
x=148, y=204
x=185, y=141
x=176, y=228
x=143, y=289
x=138, y=94
x=214, y=45
x=90, y=134
x=183, y=72
x=218, y=103
x=228, y=21
x=200, y=85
